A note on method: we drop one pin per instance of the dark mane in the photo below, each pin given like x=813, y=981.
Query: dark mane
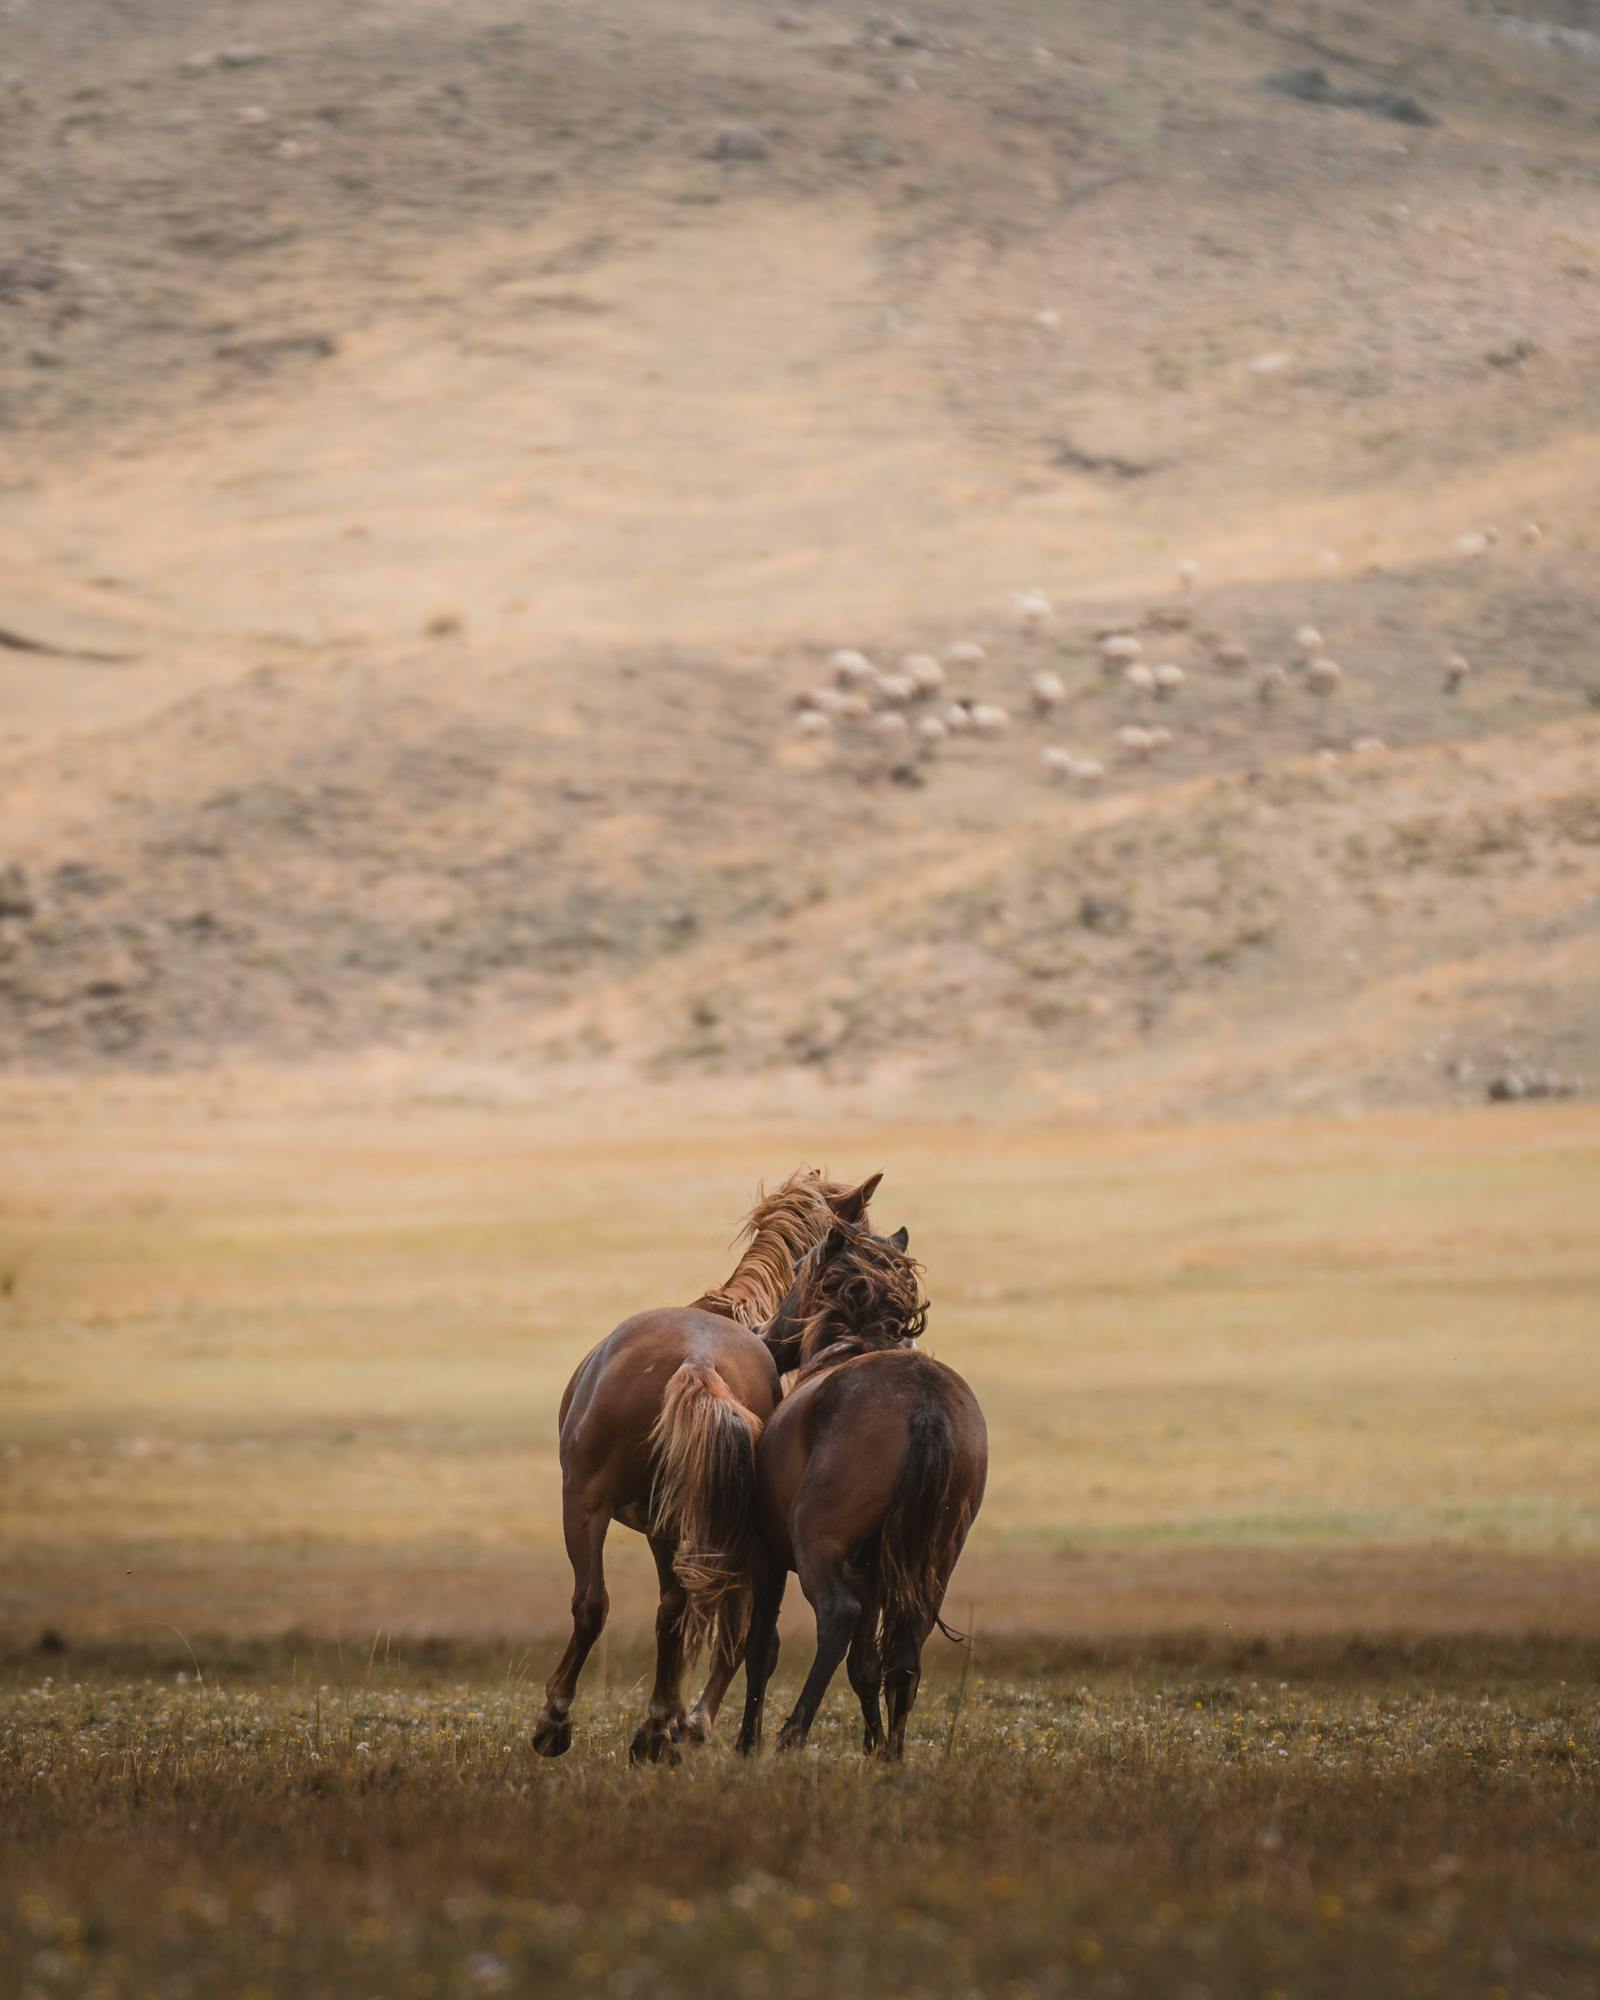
x=856, y=1292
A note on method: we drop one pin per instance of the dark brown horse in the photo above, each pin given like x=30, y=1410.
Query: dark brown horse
x=658, y=1431
x=868, y=1477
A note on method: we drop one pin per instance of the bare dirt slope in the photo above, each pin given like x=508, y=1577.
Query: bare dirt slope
x=437, y=456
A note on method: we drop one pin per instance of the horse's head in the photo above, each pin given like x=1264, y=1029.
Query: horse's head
x=854, y=1287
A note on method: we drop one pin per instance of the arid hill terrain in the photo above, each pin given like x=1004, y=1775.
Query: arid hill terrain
x=441, y=446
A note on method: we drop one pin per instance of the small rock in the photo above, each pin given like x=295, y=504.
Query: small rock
x=1313, y=86
x=740, y=142
x=1108, y=915
x=1518, y=1087
x=15, y=899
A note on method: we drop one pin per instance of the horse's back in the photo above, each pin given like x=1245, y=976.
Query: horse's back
x=612, y=1402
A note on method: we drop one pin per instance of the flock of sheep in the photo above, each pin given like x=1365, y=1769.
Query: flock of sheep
x=912, y=706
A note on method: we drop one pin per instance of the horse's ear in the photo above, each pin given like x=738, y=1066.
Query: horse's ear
x=901, y=1239
x=853, y=1206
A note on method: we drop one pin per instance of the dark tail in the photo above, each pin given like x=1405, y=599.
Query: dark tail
x=704, y=1502
x=925, y=1517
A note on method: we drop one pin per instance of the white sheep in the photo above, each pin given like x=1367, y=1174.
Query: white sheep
x=1271, y=684
x=1187, y=571
x=1140, y=678
x=1366, y=746
x=812, y=722
x=890, y=723
x=1048, y=692
x=1232, y=655
x=1477, y=544
x=853, y=708
x=1456, y=670
x=1324, y=677
x=1532, y=533
x=1309, y=642
x=896, y=688
x=1034, y=610
x=989, y=720
x=1169, y=681
x=964, y=653
x=956, y=719
x=1117, y=650
x=1160, y=739
x=826, y=701
x=850, y=668
x=932, y=728
x=1062, y=764
x=924, y=672
x=1138, y=743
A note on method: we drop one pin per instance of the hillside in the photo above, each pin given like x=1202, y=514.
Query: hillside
x=441, y=448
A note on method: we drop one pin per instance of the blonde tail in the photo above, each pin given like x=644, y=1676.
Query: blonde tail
x=704, y=1503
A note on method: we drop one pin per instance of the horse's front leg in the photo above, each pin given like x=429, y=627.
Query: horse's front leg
x=657, y=1734
x=702, y=1717
x=584, y=1524
x=761, y=1649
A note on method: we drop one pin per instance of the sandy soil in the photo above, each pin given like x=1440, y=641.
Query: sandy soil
x=468, y=469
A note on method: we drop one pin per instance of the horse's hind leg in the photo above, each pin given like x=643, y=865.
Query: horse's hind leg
x=585, y=1528
x=657, y=1734
x=838, y=1609
x=865, y=1667
x=902, y=1676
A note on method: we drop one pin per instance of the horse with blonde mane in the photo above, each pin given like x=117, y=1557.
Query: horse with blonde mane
x=658, y=1430
x=868, y=1477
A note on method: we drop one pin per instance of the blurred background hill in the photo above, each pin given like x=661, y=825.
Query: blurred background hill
x=441, y=447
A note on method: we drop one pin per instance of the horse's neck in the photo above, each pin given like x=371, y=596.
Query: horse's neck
x=759, y=1283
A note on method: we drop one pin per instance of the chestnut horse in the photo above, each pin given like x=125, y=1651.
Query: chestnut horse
x=868, y=1477
x=658, y=1431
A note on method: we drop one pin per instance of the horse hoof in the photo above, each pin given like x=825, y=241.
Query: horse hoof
x=653, y=1746
x=553, y=1737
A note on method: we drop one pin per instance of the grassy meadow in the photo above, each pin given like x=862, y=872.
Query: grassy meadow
x=1284, y=1594
x=358, y=1827
x=328, y=1345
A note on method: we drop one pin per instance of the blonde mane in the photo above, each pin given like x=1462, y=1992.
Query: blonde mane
x=778, y=1232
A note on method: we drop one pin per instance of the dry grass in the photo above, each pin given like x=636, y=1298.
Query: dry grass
x=315, y=1825
x=292, y=1334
